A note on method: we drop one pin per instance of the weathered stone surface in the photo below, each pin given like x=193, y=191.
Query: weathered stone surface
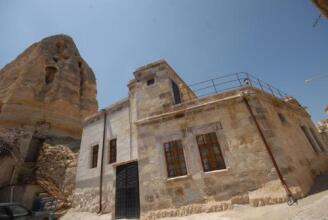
x=150, y=118
x=56, y=166
x=45, y=94
x=48, y=84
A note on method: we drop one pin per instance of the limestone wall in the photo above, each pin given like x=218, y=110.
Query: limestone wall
x=149, y=118
x=87, y=181
x=158, y=97
x=295, y=155
x=248, y=165
x=249, y=177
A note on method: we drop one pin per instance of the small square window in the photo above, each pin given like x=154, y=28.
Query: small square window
x=150, y=81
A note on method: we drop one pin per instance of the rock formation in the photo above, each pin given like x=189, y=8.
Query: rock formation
x=49, y=85
x=322, y=6
x=45, y=94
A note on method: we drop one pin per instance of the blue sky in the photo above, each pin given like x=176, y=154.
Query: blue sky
x=272, y=39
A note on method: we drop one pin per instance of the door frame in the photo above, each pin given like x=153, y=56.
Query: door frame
x=121, y=164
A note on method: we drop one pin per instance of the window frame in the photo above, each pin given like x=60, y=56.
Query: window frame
x=112, y=158
x=26, y=213
x=94, y=159
x=282, y=118
x=317, y=140
x=178, y=171
x=214, y=163
x=309, y=138
x=6, y=214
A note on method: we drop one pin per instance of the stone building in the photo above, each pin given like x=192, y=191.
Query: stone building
x=164, y=151
x=45, y=93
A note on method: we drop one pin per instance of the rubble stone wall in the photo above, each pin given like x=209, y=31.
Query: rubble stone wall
x=57, y=163
x=13, y=141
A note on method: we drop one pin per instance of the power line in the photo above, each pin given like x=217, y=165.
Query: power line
x=316, y=21
x=316, y=77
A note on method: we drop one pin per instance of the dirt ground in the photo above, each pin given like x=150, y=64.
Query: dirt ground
x=313, y=207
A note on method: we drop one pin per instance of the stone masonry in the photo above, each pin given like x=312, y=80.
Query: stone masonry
x=151, y=117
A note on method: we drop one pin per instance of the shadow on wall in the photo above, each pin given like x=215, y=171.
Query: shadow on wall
x=320, y=184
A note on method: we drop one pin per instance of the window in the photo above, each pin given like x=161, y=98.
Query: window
x=282, y=118
x=17, y=210
x=150, y=82
x=309, y=138
x=3, y=214
x=317, y=140
x=176, y=93
x=94, y=156
x=210, y=152
x=175, y=161
x=112, y=151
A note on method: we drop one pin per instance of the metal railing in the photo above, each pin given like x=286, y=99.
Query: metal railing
x=234, y=81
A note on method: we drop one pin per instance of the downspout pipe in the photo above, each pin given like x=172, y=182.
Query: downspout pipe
x=130, y=128
x=12, y=188
x=291, y=199
x=102, y=162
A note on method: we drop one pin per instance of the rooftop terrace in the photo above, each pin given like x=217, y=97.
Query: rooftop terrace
x=234, y=81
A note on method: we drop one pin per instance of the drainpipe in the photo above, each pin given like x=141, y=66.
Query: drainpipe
x=130, y=128
x=102, y=160
x=12, y=193
x=291, y=199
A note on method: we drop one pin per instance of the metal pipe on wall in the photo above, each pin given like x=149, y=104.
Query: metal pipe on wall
x=102, y=161
x=12, y=193
x=291, y=199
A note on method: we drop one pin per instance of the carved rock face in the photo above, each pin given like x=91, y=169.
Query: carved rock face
x=48, y=87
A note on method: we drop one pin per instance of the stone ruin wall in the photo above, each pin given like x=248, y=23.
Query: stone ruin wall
x=56, y=171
